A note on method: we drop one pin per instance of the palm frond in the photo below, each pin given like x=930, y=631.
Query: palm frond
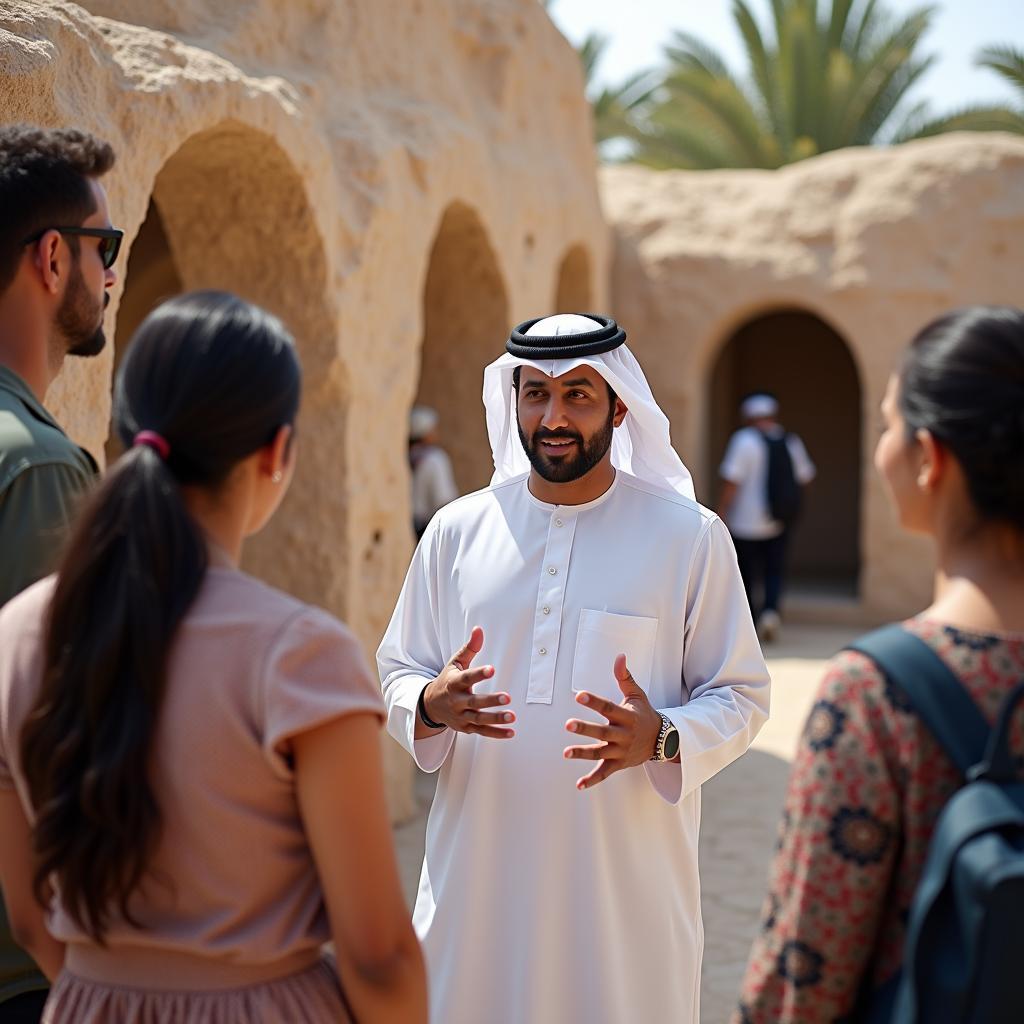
x=639, y=88
x=872, y=97
x=1006, y=61
x=763, y=66
x=970, y=119
x=867, y=29
x=820, y=75
x=591, y=51
x=684, y=138
x=727, y=105
x=838, y=23
x=687, y=51
x=892, y=93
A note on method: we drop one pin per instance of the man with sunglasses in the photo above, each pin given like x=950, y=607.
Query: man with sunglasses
x=57, y=250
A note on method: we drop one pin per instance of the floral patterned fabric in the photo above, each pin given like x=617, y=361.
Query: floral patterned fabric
x=867, y=787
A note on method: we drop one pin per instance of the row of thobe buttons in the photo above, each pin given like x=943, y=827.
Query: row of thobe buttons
x=554, y=572
x=547, y=621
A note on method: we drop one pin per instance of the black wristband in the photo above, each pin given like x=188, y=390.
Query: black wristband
x=421, y=709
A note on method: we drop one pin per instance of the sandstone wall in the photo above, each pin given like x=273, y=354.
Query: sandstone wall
x=874, y=242
x=306, y=155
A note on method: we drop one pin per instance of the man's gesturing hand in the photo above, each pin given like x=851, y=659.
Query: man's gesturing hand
x=449, y=699
x=629, y=737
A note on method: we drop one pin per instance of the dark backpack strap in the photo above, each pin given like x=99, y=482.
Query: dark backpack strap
x=936, y=694
x=774, y=440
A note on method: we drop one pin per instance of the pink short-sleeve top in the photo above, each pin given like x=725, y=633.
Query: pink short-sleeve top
x=233, y=876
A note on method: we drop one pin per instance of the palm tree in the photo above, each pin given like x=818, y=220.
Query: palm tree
x=615, y=109
x=1006, y=61
x=819, y=80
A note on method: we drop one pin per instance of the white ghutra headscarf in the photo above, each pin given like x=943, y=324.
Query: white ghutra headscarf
x=641, y=446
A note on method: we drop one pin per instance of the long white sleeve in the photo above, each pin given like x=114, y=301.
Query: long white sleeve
x=410, y=655
x=560, y=591
x=723, y=671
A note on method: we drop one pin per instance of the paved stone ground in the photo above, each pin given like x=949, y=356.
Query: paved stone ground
x=740, y=814
x=740, y=811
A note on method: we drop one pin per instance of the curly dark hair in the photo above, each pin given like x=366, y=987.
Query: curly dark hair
x=44, y=182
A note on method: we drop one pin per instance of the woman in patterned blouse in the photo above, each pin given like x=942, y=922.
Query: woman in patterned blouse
x=869, y=780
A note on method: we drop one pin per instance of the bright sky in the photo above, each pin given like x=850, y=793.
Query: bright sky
x=639, y=28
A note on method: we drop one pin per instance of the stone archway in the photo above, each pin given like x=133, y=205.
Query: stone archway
x=151, y=277
x=229, y=211
x=574, y=294
x=808, y=366
x=465, y=325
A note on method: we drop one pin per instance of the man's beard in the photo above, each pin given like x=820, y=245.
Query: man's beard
x=566, y=468
x=80, y=318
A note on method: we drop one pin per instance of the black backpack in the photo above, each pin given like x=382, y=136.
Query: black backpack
x=965, y=935
x=784, y=490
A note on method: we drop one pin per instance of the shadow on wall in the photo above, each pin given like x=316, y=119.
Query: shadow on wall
x=151, y=277
x=573, y=294
x=802, y=361
x=465, y=324
x=230, y=211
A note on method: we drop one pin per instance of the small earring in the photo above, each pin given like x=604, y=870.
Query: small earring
x=277, y=477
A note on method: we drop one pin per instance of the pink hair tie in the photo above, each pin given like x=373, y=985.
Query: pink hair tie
x=151, y=439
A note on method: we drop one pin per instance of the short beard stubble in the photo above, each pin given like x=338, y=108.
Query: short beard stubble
x=79, y=318
x=587, y=454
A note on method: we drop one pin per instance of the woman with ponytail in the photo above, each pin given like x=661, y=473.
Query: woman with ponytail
x=190, y=774
x=870, y=778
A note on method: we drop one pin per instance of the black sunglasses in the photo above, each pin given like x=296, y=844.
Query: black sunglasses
x=110, y=240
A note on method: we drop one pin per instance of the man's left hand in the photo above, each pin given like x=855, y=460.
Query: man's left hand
x=629, y=737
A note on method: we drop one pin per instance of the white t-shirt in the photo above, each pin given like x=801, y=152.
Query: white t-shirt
x=746, y=465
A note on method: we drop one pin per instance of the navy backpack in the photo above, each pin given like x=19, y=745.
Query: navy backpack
x=782, y=487
x=963, y=961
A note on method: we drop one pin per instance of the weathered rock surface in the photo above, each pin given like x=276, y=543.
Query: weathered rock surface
x=873, y=242
x=304, y=155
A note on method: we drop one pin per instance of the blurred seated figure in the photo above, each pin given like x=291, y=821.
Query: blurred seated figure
x=433, y=482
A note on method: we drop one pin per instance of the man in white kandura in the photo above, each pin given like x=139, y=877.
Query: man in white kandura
x=610, y=610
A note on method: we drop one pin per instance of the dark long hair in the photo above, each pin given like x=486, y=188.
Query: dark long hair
x=217, y=378
x=963, y=380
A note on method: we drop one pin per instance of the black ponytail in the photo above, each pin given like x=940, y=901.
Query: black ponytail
x=963, y=381
x=216, y=378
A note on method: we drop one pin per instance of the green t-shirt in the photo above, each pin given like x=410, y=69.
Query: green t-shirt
x=42, y=473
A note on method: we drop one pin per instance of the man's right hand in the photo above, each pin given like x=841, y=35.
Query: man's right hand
x=449, y=699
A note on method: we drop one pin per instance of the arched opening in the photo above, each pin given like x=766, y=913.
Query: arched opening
x=573, y=294
x=465, y=324
x=230, y=211
x=802, y=361
x=151, y=277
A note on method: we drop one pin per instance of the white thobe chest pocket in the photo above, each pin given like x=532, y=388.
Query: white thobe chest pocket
x=601, y=638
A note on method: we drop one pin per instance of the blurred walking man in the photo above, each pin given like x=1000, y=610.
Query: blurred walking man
x=57, y=248
x=574, y=652
x=764, y=472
